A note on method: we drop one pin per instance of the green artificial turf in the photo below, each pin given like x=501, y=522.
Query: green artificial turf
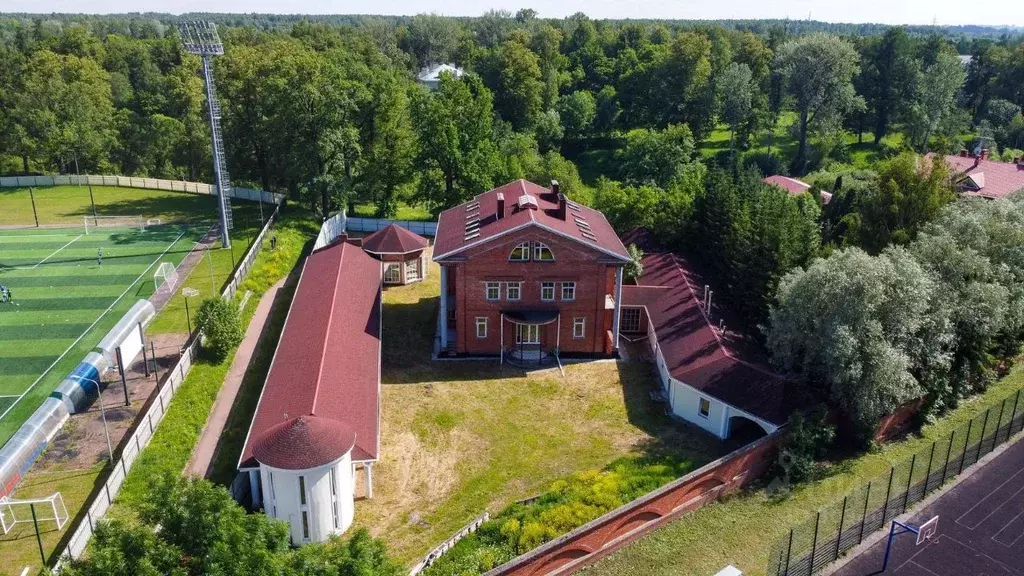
x=64, y=300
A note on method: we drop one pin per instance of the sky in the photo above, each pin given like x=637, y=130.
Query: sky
x=942, y=12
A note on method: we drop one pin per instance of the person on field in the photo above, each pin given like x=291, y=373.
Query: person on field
x=99, y=256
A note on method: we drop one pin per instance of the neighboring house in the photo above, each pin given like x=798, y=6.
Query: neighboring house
x=403, y=253
x=710, y=375
x=976, y=175
x=430, y=76
x=525, y=271
x=795, y=187
x=318, y=416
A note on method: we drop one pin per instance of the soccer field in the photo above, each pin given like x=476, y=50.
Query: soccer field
x=64, y=300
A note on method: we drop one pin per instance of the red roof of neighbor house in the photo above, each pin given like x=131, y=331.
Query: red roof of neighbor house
x=696, y=352
x=304, y=442
x=794, y=186
x=394, y=240
x=989, y=179
x=476, y=222
x=327, y=362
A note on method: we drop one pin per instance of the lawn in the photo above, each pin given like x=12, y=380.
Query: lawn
x=459, y=438
x=68, y=204
x=405, y=212
x=742, y=529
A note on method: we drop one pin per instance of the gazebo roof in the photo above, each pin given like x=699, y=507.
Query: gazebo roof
x=304, y=442
x=394, y=240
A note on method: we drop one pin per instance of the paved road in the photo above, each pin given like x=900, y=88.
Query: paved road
x=981, y=528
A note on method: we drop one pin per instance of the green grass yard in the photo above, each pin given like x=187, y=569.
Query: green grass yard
x=405, y=212
x=65, y=301
x=742, y=529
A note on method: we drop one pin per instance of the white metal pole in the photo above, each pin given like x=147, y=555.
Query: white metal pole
x=501, y=331
x=618, y=309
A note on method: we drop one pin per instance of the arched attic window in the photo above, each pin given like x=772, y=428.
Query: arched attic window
x=520, y=253
x=541, y=252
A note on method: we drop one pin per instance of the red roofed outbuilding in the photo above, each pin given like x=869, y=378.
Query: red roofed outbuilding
x=795, y=187
x=402, y=251
x=711, y=375
x=318, y=416
x=526, y=271
x=979, y=176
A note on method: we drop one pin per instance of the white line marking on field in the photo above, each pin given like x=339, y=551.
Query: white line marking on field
x=2, y=236
x=56, y=251
x=91, y=326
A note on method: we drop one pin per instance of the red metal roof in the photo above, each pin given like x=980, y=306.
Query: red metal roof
x=695, y=350
x=794, y=186
x=989, y=179
x=455, y=231
x=304, y=442
x=327, y=362
x=394, y=240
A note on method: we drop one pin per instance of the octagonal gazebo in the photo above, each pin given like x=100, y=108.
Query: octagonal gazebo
x=402, y=253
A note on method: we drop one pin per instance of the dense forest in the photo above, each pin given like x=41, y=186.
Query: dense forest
x=664, y=124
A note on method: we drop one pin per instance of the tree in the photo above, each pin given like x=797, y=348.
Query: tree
x=935, y=103
x=577, y=111
x=549, y=131
x=221, y=328
x=818, y=70
x=655, y=157
x=454, y=134
x=737, y=99
x=851, y=330
x=908, y=192
x=635, y=267
x=546, y=43
x=431, y=38
x=519, y=94
x=388, y=147
x=607, y=110
x=891, y=73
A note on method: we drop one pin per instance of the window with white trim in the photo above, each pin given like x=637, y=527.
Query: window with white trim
x=302, y=490
x=541, y=253
x=520, y=253
x=481, y=327
x=305, y=525
x=704, y=408
x=393, y=273
x=568, y=291
x=547, y=291
x=630, y=320
x=579, y=327
x=513, y=291
x=334, y=498
x=412, y=270
x=493, y=291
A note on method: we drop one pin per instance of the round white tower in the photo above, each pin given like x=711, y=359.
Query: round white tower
x=307, y=476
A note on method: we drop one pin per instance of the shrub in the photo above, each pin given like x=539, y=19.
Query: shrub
x=809, y=440
x=636, y=266
x=219, y=322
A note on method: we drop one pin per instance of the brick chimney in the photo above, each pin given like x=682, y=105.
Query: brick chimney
x=554, y=187
x=964, y=153
x=501, y=206
x=984, y=153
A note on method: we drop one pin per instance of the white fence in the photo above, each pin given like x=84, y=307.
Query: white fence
x=151, y=419
x=340, y=223
x=136, y=182
x=447, y=544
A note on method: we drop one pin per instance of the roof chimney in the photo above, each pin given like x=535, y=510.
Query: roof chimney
x=963, y=153
x=554, y=187
x=562, y=201
x=501, y=205
x=984, y=153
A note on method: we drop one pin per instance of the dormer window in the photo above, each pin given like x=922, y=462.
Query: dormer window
x=520, y=253
x=541, y=253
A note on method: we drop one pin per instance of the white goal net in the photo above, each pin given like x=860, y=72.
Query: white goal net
x=93, y=222
x=49, y=509
x=165, y=279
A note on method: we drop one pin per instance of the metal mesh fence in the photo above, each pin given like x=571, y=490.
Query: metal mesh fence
x=828, y=533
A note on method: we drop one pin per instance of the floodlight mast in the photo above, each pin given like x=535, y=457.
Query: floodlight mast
x=201, y=39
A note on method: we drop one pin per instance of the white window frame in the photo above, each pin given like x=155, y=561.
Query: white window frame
x=700, y=407
x=334, y=498
x=413, y=267
x=508, y=291
x=547, y=286
x=397, y=268
x=571, y=286
x=496, y=286
x=524, y=251
x=538, y=247
x=481, y=322
x=627, y=323
x=579, y=328
x=532, y=333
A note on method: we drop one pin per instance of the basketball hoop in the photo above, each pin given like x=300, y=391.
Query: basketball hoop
x=925, y=532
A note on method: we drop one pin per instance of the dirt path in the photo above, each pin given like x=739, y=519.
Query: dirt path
x=206, y=449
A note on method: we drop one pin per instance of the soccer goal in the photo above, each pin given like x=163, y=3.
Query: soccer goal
x=165, y=279
x=49, y=509
x=91, y=223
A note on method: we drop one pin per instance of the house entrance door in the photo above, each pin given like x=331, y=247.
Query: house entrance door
x=527, y=334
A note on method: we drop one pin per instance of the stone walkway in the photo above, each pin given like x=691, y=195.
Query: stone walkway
x=206, y=449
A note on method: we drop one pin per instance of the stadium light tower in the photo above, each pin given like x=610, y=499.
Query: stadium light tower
x=201, y=38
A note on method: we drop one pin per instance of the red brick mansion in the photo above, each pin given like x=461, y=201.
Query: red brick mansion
x=525, y=272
